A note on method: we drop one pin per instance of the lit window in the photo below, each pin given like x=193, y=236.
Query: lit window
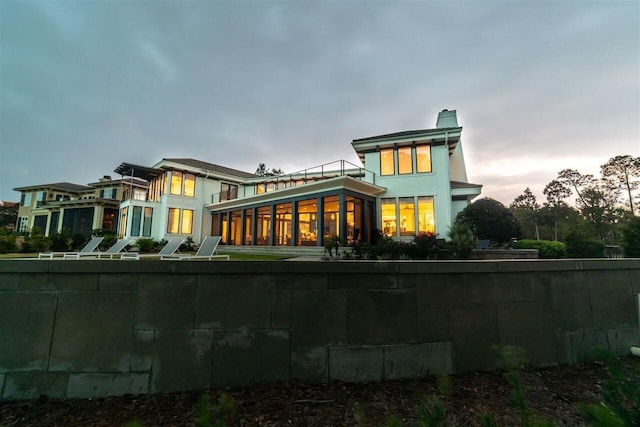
x=423, y=158
x=426, y=216
x=405, y=162
x=176, y=183
x=189, y=185
x=388, y=208
x=187, y=221
x=123, y=221
x=407, y=216
x=173, y=221
x=386, y=162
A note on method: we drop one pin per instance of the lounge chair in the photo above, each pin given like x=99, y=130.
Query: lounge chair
x=90, y=247
x=170, y=248
x=206, y=250
x=114, y=251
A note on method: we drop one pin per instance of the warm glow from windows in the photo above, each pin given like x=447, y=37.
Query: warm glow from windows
x=405, y=162
x=187, y=221
x=388, y=208
x=426, y=215
x=173, y=221
x=386, y=162
x=423, y=158
x=189, y=185
x=176, y=183
x=407, y=217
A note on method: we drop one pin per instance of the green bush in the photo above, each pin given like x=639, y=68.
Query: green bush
x=547, y=249
x=631, y=238
x=8, y=244
x=580, y=247
x=35, y=242
x=145, y=245
x=462, y=242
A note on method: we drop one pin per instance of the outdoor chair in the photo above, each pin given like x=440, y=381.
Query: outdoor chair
x=90, y=247
x=170, y=248
x=206, y=250
x=114, y=251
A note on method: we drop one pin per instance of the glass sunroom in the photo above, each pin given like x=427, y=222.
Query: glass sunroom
x=304, y=215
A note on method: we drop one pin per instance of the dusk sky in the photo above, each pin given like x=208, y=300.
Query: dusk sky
x=538, y=86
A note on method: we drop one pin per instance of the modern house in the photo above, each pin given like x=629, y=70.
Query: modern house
x=72, y=207
x=410, y=182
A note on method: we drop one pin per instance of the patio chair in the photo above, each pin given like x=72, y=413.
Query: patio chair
x=114, y=251
x=206, y=250
x=170, y=248
x=90, y=247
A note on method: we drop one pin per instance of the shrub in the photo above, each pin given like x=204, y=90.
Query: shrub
x=547, y=249
x=631, y=238
x=580, y=247
x=7, y=244
x=35, y=242
x=489, y=219
x=462, y=241
x=60, y=242
x=145, y=245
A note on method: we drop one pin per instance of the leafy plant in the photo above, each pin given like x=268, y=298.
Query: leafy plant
x=620, y=404
x=631, y=238
x=145, y=245
x=489, y=219
x=547, y=249
x=580, y=247
x=462, y=241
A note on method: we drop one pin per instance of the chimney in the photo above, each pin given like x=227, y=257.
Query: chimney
x=447, y=119
x=105, y=178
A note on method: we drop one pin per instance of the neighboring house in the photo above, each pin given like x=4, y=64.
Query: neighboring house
x=411, y=182
x=78, y=209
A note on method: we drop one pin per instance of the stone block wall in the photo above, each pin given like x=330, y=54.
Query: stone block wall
x=93, y=328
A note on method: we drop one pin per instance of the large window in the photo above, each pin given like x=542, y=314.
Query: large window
x=283, y=224
x=354, y=219
x=182, y=184
x=248, y=226
x=263, y=225
x=236, y=228
x=405, y=161
x=426, y=216
x=389, y=221
x=228, y=192
x=423, y=158
x=123, y=221
x=331, y=216
x=307, y=222
x=148, y=218
x=407, y=216
x=180, y=221
x=25, y=199
x=386, y=162
x=136, y=220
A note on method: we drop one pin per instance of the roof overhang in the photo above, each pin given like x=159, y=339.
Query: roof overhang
x=442, y=136
x=137, y=171
x=464, y=190
x=337, y=183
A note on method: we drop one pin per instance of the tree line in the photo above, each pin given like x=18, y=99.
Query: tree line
x=602, y=204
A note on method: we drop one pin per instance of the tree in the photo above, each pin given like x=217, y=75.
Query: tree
x=262, y=170
x=556, y=193
x=489, y=219
x=631, y=238
x=526, y=208
x=572, y=180
x=619, y=172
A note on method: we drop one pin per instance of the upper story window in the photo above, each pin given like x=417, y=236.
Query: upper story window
x=41, y=196
x=423, y=158
x=228, y=191
x=387, y=166
x=182, y=184
x=108, y=193
x=25, y=199
x=405, y=161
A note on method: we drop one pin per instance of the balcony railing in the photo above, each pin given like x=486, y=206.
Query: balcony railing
x=305, y=176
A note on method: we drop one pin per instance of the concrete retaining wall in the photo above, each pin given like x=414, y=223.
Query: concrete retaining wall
x=100, y=328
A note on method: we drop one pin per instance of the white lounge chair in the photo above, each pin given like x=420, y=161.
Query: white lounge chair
x=90, y=247
x=206, y=250
x=170, y=248
x=114, y=251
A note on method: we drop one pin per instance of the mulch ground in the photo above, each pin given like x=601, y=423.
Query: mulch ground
x=553, y=394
